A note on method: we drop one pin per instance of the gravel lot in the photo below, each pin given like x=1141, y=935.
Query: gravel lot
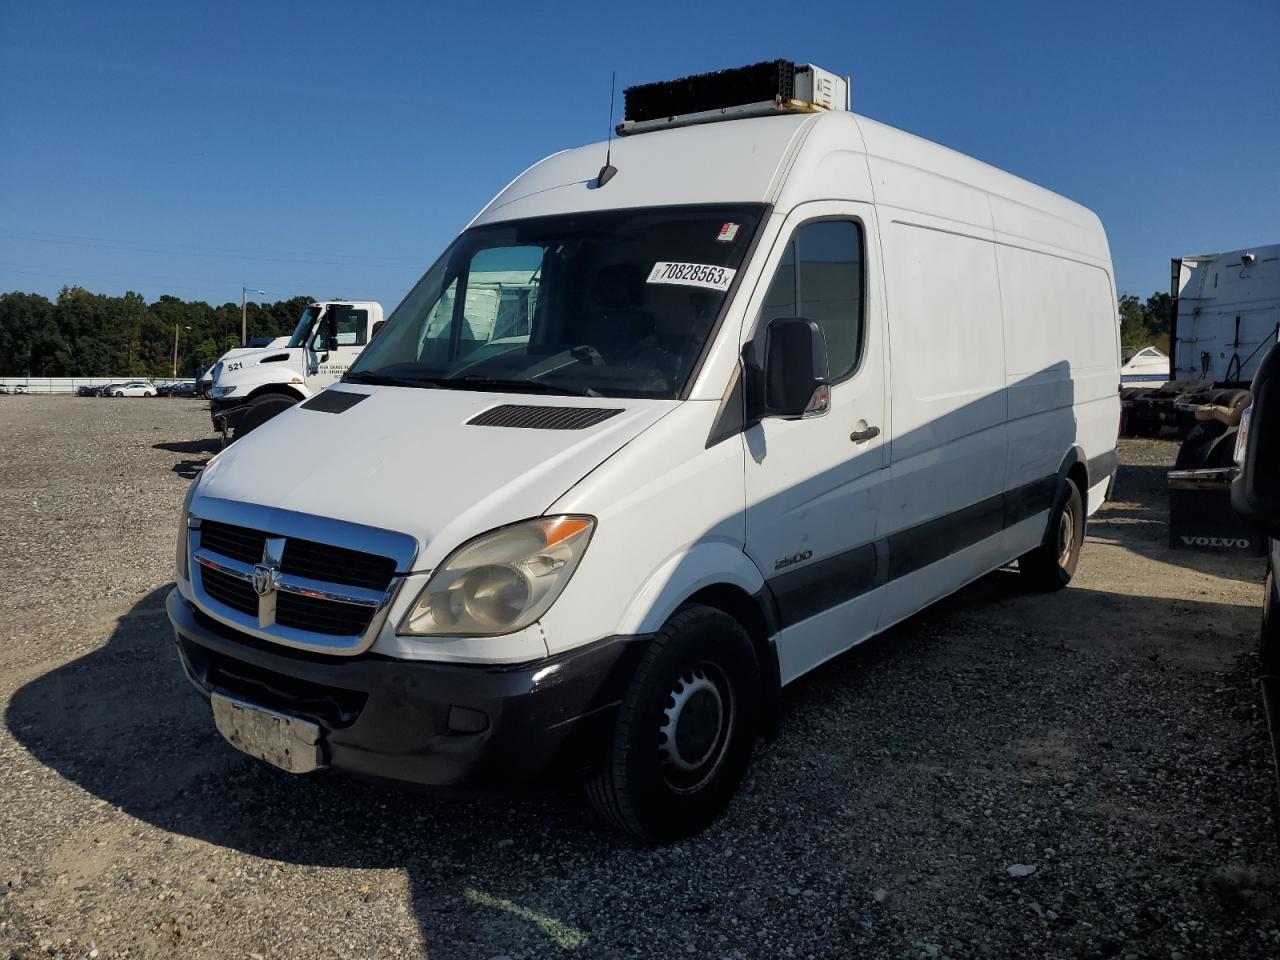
x=1108, y=736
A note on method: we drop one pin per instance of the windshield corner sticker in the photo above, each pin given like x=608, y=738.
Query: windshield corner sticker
x=692, y=275
x=728, y=233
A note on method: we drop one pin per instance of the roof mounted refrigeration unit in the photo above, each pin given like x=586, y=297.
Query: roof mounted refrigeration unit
x=762, y=89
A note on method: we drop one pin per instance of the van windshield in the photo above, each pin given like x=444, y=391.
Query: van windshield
x=303, y=330
x=616, y=303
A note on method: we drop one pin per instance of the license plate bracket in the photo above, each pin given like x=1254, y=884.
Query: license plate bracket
x=290, y=743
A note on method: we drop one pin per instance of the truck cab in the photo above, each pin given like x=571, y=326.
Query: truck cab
x=252, y=386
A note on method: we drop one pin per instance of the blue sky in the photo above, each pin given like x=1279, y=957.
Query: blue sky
x=334, y=149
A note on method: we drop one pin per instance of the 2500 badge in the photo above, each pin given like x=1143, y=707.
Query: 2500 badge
x=794, y=558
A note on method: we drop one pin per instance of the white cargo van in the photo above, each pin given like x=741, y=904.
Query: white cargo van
x=652, y=439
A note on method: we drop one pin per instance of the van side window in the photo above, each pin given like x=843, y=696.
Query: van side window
x=820, y=277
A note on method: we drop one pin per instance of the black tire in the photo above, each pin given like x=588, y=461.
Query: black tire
x=261, y=409
x=685, y=729
x=1051, y=565
x=1269, y=635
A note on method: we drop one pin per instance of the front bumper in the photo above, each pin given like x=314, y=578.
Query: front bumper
x=227, y=411
x=438, y=724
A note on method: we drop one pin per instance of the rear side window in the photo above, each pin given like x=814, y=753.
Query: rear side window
x=820, y=278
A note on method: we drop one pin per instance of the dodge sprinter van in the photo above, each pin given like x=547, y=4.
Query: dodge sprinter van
x=672, y=422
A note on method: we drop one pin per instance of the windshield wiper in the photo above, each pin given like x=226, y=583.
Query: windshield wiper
x=474, y=380
x=389, y=380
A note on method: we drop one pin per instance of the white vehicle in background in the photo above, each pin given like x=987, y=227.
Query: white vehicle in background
x=204, y=385
x=1148, y=367
x=252, y=386
x=651, y=440
x=131, y=388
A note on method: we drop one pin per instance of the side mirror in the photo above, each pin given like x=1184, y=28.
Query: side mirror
x=787, y=377
x=1255, y=493
x=377, y=329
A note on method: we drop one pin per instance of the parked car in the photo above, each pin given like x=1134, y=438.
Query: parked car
x=86, y=391
x=178, y=388
x=4, y=390
x=130, y=388
x=21, y=388
x=651, y=440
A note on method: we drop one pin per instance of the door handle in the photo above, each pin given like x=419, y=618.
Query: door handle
x=862, y=436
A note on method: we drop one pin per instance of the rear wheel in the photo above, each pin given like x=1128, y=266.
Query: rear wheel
x=684, y=731
x=261, y=409
x=1051, y=565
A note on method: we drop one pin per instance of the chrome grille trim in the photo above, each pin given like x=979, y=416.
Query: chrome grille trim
x=321, y=531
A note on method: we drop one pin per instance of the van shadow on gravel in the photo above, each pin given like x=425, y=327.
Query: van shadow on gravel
x=844, y=801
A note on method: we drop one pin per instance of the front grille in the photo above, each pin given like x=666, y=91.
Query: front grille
x=322, y=616
x=235, y=593
x=235, y=542
x=319, y=561
x=302, y=558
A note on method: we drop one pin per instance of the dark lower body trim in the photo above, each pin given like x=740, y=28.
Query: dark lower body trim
x=803, y=593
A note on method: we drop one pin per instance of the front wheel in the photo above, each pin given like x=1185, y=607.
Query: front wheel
x=684, y=731
x=1051, y=565
x=261, y=409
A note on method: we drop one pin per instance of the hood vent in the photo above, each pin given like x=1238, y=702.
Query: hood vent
x=528, y=417
x=334, y=401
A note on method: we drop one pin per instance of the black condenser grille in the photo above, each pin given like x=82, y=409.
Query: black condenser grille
x=528, y=417
x=757, y=83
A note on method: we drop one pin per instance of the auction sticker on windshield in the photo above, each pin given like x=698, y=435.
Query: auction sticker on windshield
x=692, y=275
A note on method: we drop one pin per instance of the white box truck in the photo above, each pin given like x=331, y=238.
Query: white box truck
x=1226, y=315
x=252, y=386
x=763, y=383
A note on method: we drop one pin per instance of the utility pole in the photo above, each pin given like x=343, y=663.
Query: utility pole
x=244, y=314
x=175, y=351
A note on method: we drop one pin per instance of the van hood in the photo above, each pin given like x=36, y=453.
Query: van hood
x=408, y=460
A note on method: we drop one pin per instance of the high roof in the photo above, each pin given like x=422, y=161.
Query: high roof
x=788, y=159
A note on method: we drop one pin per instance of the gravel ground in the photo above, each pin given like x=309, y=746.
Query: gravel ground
x=1006, y=775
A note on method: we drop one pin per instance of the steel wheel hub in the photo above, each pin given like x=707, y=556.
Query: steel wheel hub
x=1066, y=537
x=695, y=728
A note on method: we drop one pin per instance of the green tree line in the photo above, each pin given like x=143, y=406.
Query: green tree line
x=1146, y=324
x=85, y=334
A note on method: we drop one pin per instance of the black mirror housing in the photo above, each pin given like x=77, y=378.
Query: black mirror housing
x=1255, y=493
x=786, y=372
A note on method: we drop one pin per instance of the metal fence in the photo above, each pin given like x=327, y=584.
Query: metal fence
x=71, y=384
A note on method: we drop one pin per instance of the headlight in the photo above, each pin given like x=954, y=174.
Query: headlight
x=1242, y=436
x=223, y=391
x=502, y=581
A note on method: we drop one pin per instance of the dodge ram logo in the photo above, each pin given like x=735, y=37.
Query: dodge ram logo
x=264, y=578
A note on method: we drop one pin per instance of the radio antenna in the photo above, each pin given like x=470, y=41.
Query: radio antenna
x=608, y=170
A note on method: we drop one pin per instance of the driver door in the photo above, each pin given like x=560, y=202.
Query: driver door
x=328, y=366
x=815, y=486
